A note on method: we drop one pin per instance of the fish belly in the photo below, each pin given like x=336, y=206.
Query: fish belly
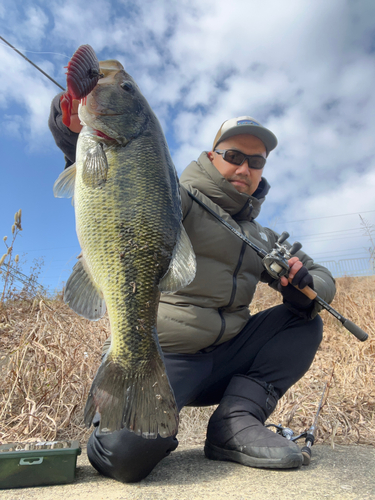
x=127, y=227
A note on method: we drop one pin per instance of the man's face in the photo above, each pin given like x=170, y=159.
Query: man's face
x=244, y=179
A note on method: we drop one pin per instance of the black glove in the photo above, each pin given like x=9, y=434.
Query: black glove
x=292, y=296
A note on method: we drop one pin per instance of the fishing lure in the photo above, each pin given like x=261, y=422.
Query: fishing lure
x=83, y=74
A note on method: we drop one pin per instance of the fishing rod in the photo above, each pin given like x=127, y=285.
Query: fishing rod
x=28, y=60
x=276, y=264
x=309, y=435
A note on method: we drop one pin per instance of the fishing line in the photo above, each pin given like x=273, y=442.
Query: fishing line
x=38, y=52
x=28, y=60
x=15, y=273
x=38, y=291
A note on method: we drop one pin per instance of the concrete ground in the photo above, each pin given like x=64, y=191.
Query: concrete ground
x=342, y=473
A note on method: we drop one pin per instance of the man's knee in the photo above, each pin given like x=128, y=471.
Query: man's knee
x=315, y=326
x=126, y=457
x=310, y=331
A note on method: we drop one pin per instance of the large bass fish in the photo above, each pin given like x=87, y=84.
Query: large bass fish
x=128, y=221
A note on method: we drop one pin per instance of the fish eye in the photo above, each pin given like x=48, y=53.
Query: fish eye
x=127, y=86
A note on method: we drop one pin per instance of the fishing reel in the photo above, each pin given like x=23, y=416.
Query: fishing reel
x=276, y=262
x=287, y=433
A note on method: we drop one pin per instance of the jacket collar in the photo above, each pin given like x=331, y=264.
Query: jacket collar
x=205, y=177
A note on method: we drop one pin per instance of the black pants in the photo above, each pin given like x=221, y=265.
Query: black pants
x=275, y=346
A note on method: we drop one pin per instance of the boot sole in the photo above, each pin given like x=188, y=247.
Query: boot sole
x=292, y=461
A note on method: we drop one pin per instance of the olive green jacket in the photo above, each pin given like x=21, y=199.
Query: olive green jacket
x=215, y=306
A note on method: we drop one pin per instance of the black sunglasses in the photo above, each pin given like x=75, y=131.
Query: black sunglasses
x=237, y=158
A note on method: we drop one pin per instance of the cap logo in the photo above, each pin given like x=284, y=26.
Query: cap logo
x=247, y=122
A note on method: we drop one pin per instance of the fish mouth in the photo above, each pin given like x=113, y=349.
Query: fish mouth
x=99, y=133
x=105, y=113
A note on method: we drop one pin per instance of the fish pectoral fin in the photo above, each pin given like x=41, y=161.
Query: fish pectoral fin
x=182, y=267
x=95, y=167
x=64, y=185
x=82, y=294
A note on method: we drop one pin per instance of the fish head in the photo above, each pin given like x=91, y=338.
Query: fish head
x=115, y=108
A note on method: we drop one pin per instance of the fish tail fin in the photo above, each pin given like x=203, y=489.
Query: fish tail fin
x=142, y=402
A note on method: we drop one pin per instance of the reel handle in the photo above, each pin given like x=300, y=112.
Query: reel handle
x=295, y=247
x=283, y=237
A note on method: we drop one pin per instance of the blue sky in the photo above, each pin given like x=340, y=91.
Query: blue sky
x=304, y=69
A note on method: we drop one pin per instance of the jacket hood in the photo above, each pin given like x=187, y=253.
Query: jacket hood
x=205, y=177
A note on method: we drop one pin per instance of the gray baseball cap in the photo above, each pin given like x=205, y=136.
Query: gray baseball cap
x=246, y=125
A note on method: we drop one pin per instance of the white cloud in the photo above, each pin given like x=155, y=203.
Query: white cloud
x=35, y=23
x=306, y=69
x=21, y=86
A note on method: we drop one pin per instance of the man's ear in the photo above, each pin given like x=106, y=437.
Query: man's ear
x=210, y=155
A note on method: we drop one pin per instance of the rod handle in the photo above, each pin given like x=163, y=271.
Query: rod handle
x=349, y=325
x=355, y=330
x=309, y=292
x=306, y=453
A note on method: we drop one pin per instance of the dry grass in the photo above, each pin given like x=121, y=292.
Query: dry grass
x=49, y=355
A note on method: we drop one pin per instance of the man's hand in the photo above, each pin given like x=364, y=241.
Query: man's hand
x=298, y=273
x=75, y=123
x=301, y=278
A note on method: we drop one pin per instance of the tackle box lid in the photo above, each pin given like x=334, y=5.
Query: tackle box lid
x=40, y=448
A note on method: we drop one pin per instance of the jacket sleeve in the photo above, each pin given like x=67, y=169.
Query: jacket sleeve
x=324, y=284
x=186, y=201
x=65, y=139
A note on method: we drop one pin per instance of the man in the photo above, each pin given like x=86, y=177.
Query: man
x=215, y=352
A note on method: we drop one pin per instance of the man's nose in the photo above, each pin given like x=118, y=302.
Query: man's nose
x=244, y=168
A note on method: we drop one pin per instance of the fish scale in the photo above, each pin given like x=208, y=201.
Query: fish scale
x=138, y=267
x=128, y=220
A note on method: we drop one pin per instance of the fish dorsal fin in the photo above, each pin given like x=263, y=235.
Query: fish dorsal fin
x=182, y=267
x=82, y=294
x=95, y=167
x=64, y=185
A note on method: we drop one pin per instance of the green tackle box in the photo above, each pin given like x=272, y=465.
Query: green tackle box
x=38, y=464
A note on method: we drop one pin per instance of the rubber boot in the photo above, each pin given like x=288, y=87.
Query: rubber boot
x=236, y=429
